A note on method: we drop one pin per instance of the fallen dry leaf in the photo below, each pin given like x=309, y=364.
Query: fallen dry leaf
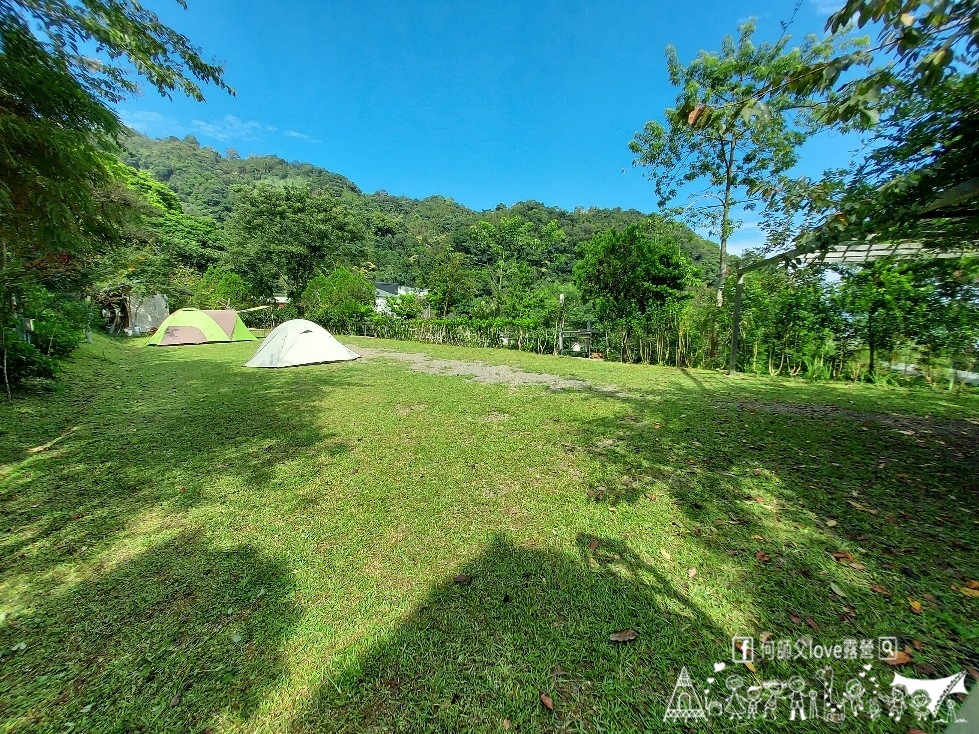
x=972, y=671
x=836, y=590
x=918, y=645
x=750, y=666
x=915, y=605
x=765, y=636
x=697, y=112
x=757, y=537
x=900, y=658
x=862, y=508
x=463, y=579
x=593, y=545
x=831, y=523
x=664, y=554
x=624, y=636
x=506, y=724
x=914, y=731
x=691, y=572
x=858, y=566
x=974, y=593
x=879, y=589
x=795, y=619
x=929, y=597
x=972, y=585
x=762, y=556
x=812, y=623
x=843, y=556
x=547, y=701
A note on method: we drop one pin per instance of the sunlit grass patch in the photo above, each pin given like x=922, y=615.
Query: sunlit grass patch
x=190, y=545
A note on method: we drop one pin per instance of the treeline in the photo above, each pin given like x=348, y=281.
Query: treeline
x=93, y=218
x=226, y=231
x=650, y=305
x=400, y=233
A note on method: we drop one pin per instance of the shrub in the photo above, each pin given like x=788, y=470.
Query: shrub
x=25, y=360
x=338, y=301
x=58, y=325
x=220, y=289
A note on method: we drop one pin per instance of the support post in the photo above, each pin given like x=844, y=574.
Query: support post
x=736, y=325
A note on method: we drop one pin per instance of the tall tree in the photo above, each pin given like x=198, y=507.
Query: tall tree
x=733, y=130
x=509, y=244
x=451, y=282
x=631, y=275
x=881, y=301
x=58, y=131
x=918, y=100
x=339, y=300
x=289, y=232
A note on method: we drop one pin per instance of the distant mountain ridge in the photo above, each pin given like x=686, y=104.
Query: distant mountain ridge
x=204, y=180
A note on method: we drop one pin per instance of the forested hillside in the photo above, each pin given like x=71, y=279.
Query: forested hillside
x=402, y=234
x=95, y=219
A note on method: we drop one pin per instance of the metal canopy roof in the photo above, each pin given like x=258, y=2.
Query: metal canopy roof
x=861, y=252
x=844, y=253
x=957, y=202
x=855, y=252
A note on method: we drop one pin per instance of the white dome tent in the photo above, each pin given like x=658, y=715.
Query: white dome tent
x=298, y=342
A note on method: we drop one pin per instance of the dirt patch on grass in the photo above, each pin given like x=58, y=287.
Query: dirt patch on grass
x=487, y=374
x=964, y=432
x=413, y=408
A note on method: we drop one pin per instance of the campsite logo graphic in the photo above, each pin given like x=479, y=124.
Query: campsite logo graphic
x=798, y=699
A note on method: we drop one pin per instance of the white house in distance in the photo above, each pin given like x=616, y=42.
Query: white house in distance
x=384, y=291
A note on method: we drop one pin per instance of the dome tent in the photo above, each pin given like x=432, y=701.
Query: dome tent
x=193, y=326
x=298, y=342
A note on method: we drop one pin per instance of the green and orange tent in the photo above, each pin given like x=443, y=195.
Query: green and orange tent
x=193, y=326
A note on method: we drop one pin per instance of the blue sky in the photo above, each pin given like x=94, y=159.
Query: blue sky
x=482, y=102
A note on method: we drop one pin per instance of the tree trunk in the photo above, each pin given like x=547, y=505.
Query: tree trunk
x=3, y=319
x=725, y=216
x=871, y=345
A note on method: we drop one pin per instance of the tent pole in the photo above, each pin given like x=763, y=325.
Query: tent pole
x=735, y=325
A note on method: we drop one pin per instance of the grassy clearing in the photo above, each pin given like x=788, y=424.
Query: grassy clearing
x=186, y=545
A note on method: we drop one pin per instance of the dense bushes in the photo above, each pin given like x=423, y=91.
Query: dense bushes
x=49, y=328
x=523, y=334
x=801, y=324
x=219, y=288
x=339, y=300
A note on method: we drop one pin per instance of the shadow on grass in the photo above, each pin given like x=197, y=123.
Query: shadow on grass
x=180, y=637
x=517, y=622
x=777, y=492
x=190, y=431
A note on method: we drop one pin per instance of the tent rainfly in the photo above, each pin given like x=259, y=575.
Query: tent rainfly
x=297, y=342
x=193, y=326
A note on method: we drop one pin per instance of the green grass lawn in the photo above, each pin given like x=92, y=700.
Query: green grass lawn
x=187, y=545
